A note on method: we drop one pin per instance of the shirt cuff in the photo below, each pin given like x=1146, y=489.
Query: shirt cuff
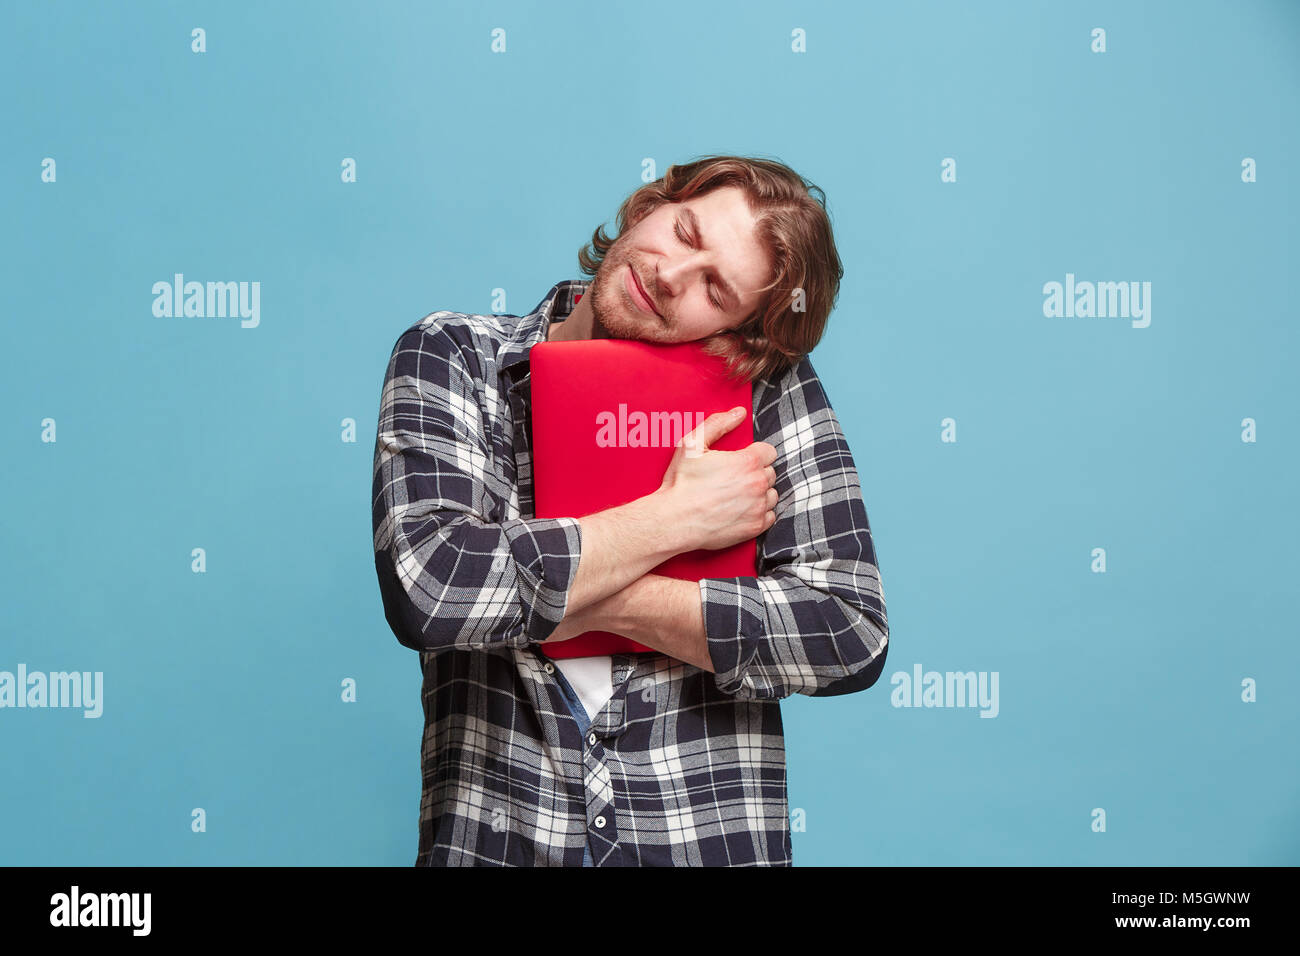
x=546, y=552
x=733, y=626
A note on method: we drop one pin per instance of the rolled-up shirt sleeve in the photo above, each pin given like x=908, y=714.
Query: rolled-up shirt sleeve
x=453, y=571
x=813, y=621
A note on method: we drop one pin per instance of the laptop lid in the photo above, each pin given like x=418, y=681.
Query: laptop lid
x=606, y=415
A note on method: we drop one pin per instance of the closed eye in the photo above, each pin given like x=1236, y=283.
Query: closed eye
x=677, y=226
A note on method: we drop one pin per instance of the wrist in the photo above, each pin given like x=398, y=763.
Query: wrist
x=614, y=612
x=664, y=514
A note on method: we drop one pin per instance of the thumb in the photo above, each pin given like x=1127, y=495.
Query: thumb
x=697, y=441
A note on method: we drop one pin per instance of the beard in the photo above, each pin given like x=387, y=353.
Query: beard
x=613, y=316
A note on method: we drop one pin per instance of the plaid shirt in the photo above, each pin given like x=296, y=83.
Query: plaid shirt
x=681, y=766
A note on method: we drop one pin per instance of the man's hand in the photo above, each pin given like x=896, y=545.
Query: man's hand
x=719, y=498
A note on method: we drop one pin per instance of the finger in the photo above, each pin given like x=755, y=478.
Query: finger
x=765, y=453
x=698, y=440
x=770, y=473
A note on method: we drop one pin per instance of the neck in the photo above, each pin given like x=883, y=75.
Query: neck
x=580, y=323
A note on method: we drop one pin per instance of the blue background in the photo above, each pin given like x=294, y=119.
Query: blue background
x=479, y=171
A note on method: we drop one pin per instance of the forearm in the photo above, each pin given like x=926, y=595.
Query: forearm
x=619, y=545
x=660, y=612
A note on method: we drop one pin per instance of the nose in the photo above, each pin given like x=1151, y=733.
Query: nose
x=665, y=276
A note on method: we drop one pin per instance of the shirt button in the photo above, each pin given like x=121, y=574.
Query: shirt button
x=600, y=822
x=499, y=562
x=591, y=739
x=549, y=667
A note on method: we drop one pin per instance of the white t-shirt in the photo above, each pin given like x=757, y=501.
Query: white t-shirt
x=592, y=679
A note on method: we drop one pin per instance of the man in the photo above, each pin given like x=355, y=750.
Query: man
x=671, y=758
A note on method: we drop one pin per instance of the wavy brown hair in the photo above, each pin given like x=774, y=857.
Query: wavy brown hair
x=791, y=221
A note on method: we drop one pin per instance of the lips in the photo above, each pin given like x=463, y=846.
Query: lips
x=640, y=289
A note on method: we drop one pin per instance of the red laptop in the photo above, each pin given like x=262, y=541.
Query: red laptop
x=606, y=415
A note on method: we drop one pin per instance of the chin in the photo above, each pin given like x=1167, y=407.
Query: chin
x=623, y=328
x=616, y=322
x=621, y=319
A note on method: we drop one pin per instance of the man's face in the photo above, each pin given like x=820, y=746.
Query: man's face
x=697, y=261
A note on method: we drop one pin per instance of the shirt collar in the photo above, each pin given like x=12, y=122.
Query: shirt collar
x=532, y=328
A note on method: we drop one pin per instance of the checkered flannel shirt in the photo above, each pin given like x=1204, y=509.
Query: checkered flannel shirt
x=682, y=766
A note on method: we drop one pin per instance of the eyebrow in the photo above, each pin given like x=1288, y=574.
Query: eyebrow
x=728, y=289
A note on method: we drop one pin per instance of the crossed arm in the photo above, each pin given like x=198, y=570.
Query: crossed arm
x=455, y=572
